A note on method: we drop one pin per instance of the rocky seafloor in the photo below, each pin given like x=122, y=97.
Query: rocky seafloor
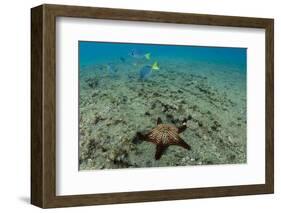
x=115, y=106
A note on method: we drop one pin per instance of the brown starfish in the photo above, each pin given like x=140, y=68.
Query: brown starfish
x=164, y=135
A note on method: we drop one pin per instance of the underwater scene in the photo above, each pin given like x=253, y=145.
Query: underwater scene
x=153, y=105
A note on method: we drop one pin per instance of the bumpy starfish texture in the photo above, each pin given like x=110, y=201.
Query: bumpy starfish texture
x=164, y=135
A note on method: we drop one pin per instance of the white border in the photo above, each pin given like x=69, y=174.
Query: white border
x=70, y=181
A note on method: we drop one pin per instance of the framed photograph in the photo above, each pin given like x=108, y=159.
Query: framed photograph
x=137, y=106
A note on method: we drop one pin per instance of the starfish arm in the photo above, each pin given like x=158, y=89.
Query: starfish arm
x=182, y=143
x=159, y=151
x=144, y=137
x=159, y=121
x=141, y=136
x=182, y=128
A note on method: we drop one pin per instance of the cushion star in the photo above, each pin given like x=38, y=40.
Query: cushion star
x=164, y=135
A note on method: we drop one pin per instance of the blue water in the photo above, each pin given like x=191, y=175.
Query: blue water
x=102, y=52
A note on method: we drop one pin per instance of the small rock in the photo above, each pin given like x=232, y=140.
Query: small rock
x=182, y=101
x=147, y=113
x=189, y=117
x=111, y=156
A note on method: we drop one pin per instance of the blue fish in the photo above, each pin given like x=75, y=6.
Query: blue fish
x=146, y=70
x=139, y=54
x=112, y=68
x=122, y=59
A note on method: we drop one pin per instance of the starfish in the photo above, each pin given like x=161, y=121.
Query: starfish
x=164, y=135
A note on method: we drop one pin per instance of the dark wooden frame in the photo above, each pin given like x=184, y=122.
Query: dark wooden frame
x=43, y=105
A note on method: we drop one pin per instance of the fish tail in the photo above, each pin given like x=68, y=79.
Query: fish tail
x=147, y=56
x=155, y=66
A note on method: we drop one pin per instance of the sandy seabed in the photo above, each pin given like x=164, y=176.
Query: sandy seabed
x=115, y=106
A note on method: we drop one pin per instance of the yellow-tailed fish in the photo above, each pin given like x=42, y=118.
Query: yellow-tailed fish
x=147, y=56
x=139, y=54
x=155, y=66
